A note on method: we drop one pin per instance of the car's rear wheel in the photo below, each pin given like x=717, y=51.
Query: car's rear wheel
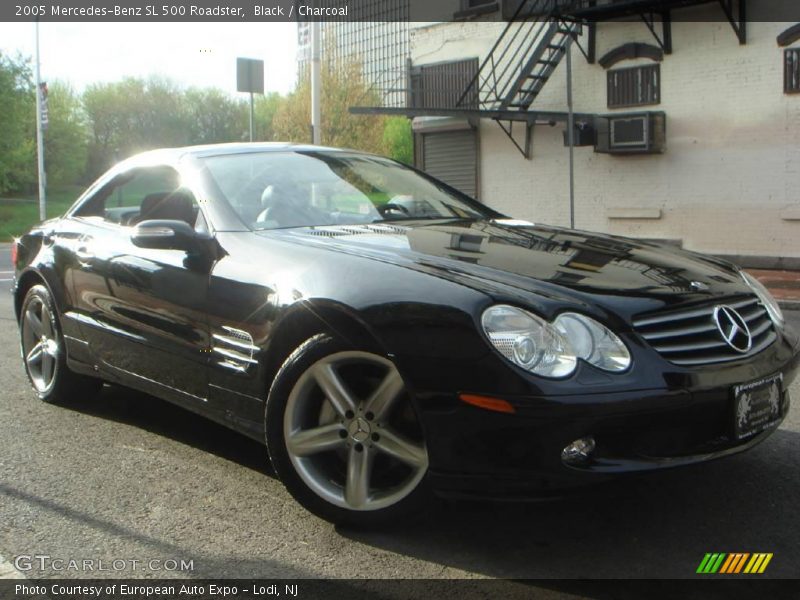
x=44, y=354
x=343, y=435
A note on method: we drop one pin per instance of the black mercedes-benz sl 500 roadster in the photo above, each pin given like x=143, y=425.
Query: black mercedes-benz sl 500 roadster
x=387, y=337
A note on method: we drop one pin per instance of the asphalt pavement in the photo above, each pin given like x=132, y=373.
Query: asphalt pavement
x=125, y=476
x=6, y=269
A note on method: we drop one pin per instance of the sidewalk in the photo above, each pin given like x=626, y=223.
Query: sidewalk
x=784, y=286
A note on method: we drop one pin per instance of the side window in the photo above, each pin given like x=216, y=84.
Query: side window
x=141, y=195
x=791, y=59
x=791, y=71
x=634, y=86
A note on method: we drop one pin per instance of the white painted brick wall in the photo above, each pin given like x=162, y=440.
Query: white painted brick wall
x=733, y=141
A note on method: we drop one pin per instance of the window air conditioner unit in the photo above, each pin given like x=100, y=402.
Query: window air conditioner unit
x=632, y=133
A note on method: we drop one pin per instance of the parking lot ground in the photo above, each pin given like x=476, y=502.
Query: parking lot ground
x=127, y=476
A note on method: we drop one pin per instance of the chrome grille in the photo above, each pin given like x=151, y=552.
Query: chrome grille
x=690, y=336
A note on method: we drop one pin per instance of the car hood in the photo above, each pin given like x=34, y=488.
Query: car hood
x=553, y=261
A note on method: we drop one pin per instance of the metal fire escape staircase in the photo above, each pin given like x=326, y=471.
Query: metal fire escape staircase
x=534, y=41
x=539, y=66
x=520, y=63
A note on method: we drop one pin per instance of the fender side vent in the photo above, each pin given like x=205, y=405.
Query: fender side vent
x=234, y=349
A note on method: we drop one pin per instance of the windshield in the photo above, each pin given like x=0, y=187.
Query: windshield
x=271, y=190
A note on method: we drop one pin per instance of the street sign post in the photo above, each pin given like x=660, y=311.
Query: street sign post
x=250, y=79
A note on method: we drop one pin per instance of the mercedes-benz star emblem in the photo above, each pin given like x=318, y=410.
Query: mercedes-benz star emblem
x=359, y=430
x=733, y=328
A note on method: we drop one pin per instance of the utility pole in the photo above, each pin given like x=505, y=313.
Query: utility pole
x=570, y=135
x=316, y=113
x=40, y=133
x=251, y=116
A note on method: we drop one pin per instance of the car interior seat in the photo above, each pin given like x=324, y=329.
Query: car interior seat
x=177, y=206
x=281, y=202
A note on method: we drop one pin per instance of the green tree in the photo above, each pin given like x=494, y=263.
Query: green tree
x=264, y=114
x=215, y=116
x=343, y=86
x=134, y=115
x=66, y=140
x=17, y=125
x=398, y=139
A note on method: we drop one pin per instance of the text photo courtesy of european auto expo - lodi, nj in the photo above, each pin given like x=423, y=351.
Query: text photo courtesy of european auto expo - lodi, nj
x=384, y=298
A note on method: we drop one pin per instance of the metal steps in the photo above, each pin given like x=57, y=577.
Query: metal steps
x=522, y=60
x=541, y=64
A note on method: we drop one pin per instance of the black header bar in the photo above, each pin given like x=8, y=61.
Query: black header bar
x=396, y=589
x=382, y=10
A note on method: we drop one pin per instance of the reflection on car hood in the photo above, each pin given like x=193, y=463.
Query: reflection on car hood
x=528, y=256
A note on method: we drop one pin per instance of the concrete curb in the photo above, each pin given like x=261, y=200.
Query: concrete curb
x=789, y=304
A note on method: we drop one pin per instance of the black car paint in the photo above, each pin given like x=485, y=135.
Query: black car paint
x=414, y=291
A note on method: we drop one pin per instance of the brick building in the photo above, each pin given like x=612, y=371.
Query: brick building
x=687, y=121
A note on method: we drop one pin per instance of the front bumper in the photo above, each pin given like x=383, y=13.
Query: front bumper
x=475, y=452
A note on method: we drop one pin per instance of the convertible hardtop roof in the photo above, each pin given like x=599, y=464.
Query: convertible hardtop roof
x=236, y=148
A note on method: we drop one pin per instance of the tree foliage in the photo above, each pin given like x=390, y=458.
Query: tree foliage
x=66, y=137
x=17, y=125
x=398, y=139
x=134, y=115
x=265, y=108
x=343, y=85
x=214, y=117
x=131, y=116
x=90, y=131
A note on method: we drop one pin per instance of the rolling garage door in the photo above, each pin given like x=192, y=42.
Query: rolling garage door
x=452, y=156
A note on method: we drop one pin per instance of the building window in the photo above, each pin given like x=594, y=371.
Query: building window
x=635, y=86
x=468, y=4
x=791, y=71
x=441, y=85
x=469, y=9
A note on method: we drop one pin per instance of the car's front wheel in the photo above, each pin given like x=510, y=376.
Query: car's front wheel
x=44, y=353
x=343, y=435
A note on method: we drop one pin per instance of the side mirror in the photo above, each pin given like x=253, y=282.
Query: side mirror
x=167, y=235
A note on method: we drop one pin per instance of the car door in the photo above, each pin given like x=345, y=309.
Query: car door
x=142, y=310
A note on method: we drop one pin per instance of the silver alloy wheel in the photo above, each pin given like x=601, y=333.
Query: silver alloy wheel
x=40, y=346
x=334, y=436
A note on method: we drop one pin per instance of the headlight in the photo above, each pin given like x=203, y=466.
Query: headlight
x=553, y=349
x=593, y=342
x=774, y=311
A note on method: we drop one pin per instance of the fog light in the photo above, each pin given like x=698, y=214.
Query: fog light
x=578, y=451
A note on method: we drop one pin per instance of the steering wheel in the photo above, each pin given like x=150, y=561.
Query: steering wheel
x=389, y=206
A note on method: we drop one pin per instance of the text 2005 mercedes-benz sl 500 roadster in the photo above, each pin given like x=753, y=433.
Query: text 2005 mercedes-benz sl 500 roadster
x=387, y=337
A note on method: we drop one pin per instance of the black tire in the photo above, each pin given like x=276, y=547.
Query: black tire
x=319, y=347
x=64, y=385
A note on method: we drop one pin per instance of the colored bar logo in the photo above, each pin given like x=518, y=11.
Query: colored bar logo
x=734, y=563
